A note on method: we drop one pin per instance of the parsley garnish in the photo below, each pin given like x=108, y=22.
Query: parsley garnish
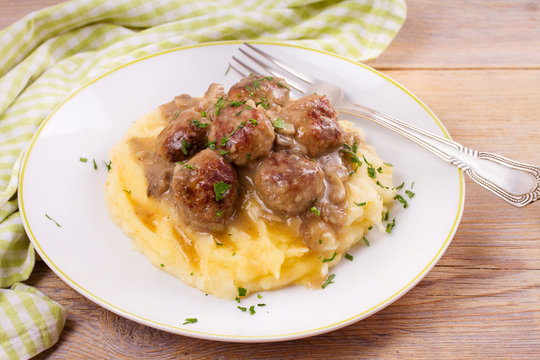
x=237, y=299
x=360, y=204
x=254, y=122
x=365, y=240
x=248, y=156
x=108, y=165
x=283, y=86
x=412, y=185
x=190, y=321
x=54, y=221
x=390, y=226
x=349, y=256
x=189, y=166
x=252, y=309
x=320, y=241
x=219, y=213
x=330, y=259
x=328, y=281
x=381, y=185
x=386, y=215
x=238, y=113
x=279, y=123
x=198, y=124
x=184, y=146
x=236, y=103
x=176, y=114
x=211, y=145
x=242, y=308
x=220, y=104
x=191, y=274
x=315, y=211
x=401, y=200
x=83, y=159
x=352, y=151
x=162, y=265
x=256, y=84
x=400, y=186
x=259, y=296
x=220, y=188
x=95, y=165
x=263, y=103
x=203, y=113
x=127, y=191
x=261, y=305
x=379, y=170
x=228, y=69
x=409, y=193
x=371, y=172
x=223, y=152
x=242, y=291
x=387, y=164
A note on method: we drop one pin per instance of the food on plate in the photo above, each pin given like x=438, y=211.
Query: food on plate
x=247, y=190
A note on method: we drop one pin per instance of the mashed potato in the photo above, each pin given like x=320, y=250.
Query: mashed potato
x=252, y=253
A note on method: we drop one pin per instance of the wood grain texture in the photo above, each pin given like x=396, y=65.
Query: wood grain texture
x=467, y=34
x=476, y=65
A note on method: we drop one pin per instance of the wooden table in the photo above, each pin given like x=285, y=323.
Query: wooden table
x=476, y=63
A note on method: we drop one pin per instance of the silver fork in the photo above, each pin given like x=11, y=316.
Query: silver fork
x=515, y=182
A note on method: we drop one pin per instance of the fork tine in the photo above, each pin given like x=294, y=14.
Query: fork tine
x=242, y=73
x=305, y=78
x=245, y=66
x=295, y=84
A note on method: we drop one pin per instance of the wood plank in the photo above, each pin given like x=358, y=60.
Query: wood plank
x=466, y=34
x=436, y=34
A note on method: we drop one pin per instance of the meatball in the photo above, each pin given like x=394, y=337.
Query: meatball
x=244, y=132
x=316, y=122
x=265, y=90
x=183, y=137
x=288, y=182
x=205, y=190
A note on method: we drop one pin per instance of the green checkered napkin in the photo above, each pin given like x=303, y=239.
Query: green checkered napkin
x=48, y=53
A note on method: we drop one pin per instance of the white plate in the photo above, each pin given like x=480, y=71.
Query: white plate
x=95, y=258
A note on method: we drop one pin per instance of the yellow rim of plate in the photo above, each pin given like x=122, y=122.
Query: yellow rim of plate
x=180, y=330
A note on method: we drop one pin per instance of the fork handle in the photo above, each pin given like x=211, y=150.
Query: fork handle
x=515, y=182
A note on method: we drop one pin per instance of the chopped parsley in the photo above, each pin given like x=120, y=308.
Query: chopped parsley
x=259, y=296
x=176, y=114
x=282, y=85
x=199, y=124
x=320, y=241
x=256, y=84
x=228, y=69
x=371, y=172
x=223, y=152
x=365, y=240
x=360, y=204
x=189, y=166
x=409, y=193
x=220, y=104
x=248, y=156
x=211, y=145
x=218, y=243
x=412, y=185
x=379, y=170
x=390, y=226
x=400, y=186
x=83, y=159
x=402, y=200
x=254, y=122
x=349, y=257
x=220, y=188
x=381, y=185
x=261, y=305
x=236, y=103
x=263, y=103
x=162, y=265
x=330, y=259
x=242, y=308
x=108, y=165
x=242, y=291
x=190, y=321
x=95, y=165
x=315, y=211
x=203, y=113
x=279, y=123
x=387, y=164
x=237, y=299
x=386, y=215
x=127, y=191
x=54, y=221
x=328, y=281
x=371, y=227
x=238, y=113
x=184, y=146
x=191, y=274
x=354, y=159
x=252, y=310
x=219, y=213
